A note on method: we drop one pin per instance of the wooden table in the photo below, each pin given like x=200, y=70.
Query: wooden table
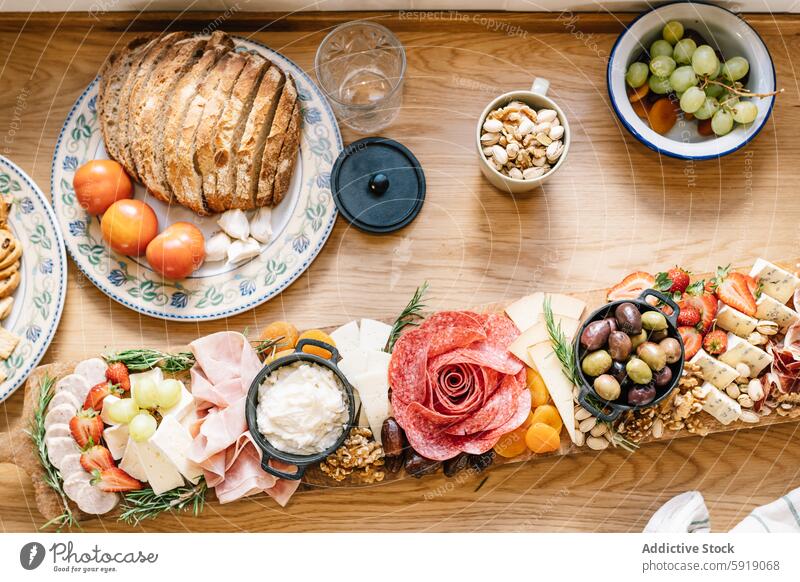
x=615, y=207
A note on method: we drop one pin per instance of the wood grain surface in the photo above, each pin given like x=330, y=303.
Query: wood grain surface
x=613, y=208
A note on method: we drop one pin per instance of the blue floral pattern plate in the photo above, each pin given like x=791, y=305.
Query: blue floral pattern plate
x=39, y=299
x=301, y=223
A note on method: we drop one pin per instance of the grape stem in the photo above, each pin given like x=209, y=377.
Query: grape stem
x=739, y=92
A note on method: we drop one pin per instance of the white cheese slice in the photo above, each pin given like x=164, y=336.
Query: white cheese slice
x=173, y=440
x=130, y=462
x=559, y=387
x=107, y=402
x=526, y=312
x=742, y=351
x=735, y=321
x=373, y=335
x=160, y=472
x=774, y=281
x=773, y=310
x=373, y=390
x=183, y=407
x=116, y=438
x=354, y=363
x=538, y=334
x=719, y=405
x=717, y=373
x=347, y=337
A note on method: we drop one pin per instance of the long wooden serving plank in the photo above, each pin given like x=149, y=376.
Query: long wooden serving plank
x=17, y=448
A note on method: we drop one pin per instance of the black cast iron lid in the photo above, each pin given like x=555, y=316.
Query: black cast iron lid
x=378, y=185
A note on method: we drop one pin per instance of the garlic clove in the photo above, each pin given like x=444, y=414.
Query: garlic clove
x=217, y=247
x=241, y=250
x=234, y=223
x=261, y=225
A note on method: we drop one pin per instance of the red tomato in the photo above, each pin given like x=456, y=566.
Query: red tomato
x=100, y=183
x=178, y=251
x=128, y=226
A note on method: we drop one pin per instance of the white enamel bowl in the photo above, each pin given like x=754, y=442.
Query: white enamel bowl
x=718, y=26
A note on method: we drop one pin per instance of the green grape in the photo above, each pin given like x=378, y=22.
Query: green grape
x=142, y=427
x=683, y=51
x=704, y=60
x=735, y=68
x=692, y=99
x=715, y=91
x=744, y=112
x=722, y=123
x=672, y=32
x=659, y=85
x=660, y=48
x=709, y=107
x=168, y=393
x=728, y=99
x=122, y=411
x=662, y=66
x=682, y=78
x=637, y=75
x=144, y=392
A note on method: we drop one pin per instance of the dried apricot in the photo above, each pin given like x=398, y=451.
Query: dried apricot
x=542, y=438
x=529, y=420
x=284, y=332
x=548, y=414
x=512, y=444
x=640, y=108
x=662, y=116
x=635, y=95
x=538, y=390
x=318, y=335
x=274, y=355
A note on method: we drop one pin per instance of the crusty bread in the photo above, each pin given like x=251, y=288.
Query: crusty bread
x=251, y=147
x=148, y=122
x=175, y=112
x=288, y=157
x=206, y=129
x=219, y=187
x=274, y=145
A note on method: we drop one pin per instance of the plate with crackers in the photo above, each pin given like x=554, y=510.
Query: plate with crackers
x=33, y=276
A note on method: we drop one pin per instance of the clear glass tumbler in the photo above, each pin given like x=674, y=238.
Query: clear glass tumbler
x=360, y=66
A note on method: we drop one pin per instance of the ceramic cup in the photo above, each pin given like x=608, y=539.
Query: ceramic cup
x=537, y=99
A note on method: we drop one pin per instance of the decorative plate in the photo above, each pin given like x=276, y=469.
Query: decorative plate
x=301, y=223
x=39, y=299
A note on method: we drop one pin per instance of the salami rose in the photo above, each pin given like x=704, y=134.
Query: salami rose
x=455, y=386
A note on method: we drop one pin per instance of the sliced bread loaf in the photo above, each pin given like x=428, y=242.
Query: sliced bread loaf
x=288, y=157
x=272, y=149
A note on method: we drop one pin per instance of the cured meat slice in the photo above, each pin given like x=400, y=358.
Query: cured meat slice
x=58, y=429
x=65, y=397
x=60, y=414
x=76, y=384
x=58, y=448
x=70, y=465
x=93, y=370
x=90, y=499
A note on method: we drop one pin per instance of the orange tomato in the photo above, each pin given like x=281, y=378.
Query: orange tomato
x=539, y=394
x=512, y=444
x=128, y=226
x=178, y=251
x=100, y=183
x=319, y=336
x=548, y=414
x=542, y=438
x=280, y=329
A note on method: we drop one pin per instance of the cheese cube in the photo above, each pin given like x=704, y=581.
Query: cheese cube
x=774, y=281
x=107, y=402
x=373, y=335
x=558, y=385
x=526, y=312
x=130, y=462
x=116, y=438
x=159, y=471
x=347, y=337
x=183, y=407
x=773, y=310
x=735, y=321
x=173, y=440
x=538, y=334
x=717, y=373
x=719, y=405
x=742, y=351
x=373, y=390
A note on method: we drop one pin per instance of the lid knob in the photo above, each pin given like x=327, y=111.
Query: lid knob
x=379, y=183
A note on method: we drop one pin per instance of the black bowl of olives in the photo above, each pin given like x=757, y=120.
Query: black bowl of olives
x=629, y=356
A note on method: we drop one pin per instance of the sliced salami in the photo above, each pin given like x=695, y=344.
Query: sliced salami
x=75, y=384
x=93, y=370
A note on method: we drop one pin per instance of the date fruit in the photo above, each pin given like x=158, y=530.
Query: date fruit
x=416, y=465
x=393, y=438
x=456, y=464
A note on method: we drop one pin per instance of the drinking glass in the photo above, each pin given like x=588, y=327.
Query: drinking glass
x=360, y=67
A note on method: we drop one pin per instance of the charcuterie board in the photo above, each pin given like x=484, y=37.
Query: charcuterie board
x=16, y=445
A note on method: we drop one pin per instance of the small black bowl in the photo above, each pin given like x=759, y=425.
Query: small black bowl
x=269, y=452
x=586, y=388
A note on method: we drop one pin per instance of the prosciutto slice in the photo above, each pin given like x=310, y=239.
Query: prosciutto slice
x=231, y=462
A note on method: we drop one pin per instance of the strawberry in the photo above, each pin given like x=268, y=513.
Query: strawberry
x=86, y=428
x=705, y=303
x=98, y=392
x=676, y=280
x=737, y=290
x=631, y=286
x=117, y=373
x=96, y=457
x=692, y=340
x=689, y=316
x=716, y=342
x=114, y=480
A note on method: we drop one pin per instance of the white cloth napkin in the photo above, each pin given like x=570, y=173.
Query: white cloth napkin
x=687, y=513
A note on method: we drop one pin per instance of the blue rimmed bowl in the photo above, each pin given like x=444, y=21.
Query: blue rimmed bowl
x=722, y=29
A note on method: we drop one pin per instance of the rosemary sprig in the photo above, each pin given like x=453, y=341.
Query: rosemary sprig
x=138, y=506
x=143, y=359
x=268, y=345
x=408, y=317
x=52, y=476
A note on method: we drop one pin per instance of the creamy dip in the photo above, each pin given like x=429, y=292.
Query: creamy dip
x=301, y=408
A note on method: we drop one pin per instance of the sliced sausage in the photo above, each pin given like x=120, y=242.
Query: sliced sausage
x=76, y=384
x=60, y=414
x=65, y=397
x=60, y=447
x=58, y=429
x=93, y=369
x=90, y=499
x=70, y=465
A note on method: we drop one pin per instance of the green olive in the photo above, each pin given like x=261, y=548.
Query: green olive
x=653, y=355
x=596, y=363
x=638, y=371
x=607, y=387
x=638, y=339
x=654, y=320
